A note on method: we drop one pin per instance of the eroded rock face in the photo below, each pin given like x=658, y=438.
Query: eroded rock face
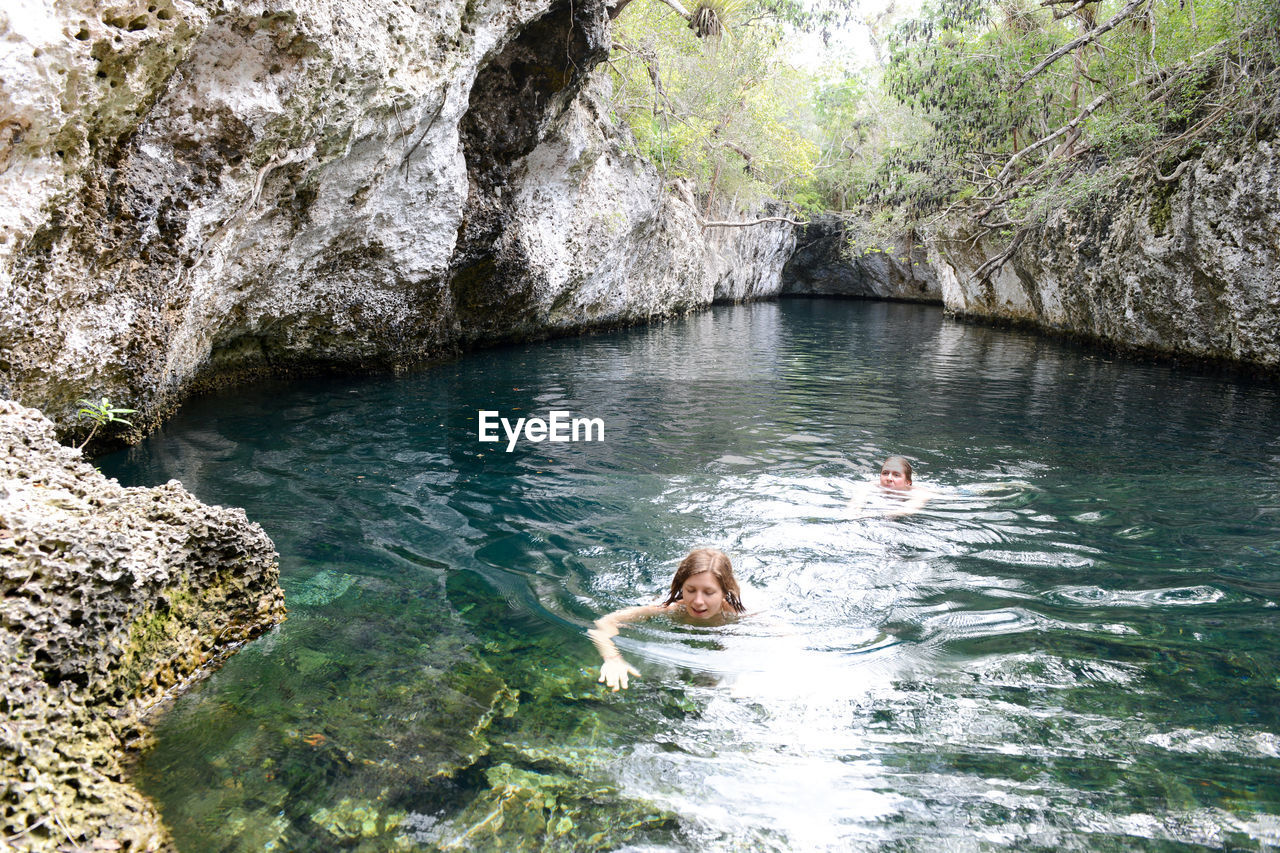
x=1188, y=268
x=747, y=263
x=587, y=236
x=232, y=188
x=195, y=191
x=112, y=596
x=604, y=242
x=823, y=264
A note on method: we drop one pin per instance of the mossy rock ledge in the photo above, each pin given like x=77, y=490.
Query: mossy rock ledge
x=113, y=598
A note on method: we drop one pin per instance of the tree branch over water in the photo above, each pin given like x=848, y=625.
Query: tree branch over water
x=759, y=221
x=1097, y=102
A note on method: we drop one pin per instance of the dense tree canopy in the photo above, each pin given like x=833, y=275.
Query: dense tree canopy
x=716, y=103
x=1025, y=102
x=990, y=109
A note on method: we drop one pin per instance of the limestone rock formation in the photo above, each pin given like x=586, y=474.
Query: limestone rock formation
x=1188, y=268
x=823, y=264
x=746, y=263
x=589, y=237
x=112, y=597
x=195, y=191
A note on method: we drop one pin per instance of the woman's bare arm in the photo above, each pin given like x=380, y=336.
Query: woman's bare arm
x=614, y=670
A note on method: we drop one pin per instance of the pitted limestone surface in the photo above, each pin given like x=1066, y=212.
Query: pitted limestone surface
x=112, y=596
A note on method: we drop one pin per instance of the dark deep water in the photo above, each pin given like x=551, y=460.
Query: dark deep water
x=1074, y=647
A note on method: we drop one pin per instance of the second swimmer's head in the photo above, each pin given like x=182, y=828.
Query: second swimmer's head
x=895, y=473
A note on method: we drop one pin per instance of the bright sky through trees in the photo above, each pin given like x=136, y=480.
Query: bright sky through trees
x=851, y=46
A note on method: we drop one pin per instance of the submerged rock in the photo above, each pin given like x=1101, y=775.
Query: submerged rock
x=113, y=598
x=401, y=718
x=349, y=819
x=528, y=810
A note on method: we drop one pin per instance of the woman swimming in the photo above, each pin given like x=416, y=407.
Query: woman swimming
x=896, y=484
x=703, y=592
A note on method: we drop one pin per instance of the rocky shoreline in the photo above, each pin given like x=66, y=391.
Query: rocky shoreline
x=830, y=260
x=113, y=598
x=1185, y=269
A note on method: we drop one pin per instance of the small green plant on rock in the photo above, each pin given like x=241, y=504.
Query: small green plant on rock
x=101, y=413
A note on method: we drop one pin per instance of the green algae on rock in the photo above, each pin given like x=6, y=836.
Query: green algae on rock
x=467, y=715
x=527, y=810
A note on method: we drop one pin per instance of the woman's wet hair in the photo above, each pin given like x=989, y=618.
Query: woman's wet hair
x=707, y=560
x=906, y=466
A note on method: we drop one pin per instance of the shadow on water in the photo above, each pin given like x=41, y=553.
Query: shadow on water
x=1073, y=646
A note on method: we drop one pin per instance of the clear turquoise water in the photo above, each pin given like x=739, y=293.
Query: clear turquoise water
x=1073, y=647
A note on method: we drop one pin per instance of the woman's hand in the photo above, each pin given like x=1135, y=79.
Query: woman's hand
x=614, y=671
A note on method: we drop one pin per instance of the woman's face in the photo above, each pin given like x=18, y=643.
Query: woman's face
x=702, y=596
x=893, y=475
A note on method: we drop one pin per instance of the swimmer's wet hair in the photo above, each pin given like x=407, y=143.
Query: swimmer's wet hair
x=707, y=560
x=906, y=466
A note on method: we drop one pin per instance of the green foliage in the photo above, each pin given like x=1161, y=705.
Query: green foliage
x=721, y=112
x=101, y=413
x=979, y=106
x=966, y=115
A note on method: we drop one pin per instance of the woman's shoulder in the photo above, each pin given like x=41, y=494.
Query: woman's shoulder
x=861, y=488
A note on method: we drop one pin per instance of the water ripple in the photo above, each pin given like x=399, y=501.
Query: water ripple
x=1169, y=597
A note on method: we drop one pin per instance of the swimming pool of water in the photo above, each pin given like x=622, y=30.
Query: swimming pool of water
x=1073, y=646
